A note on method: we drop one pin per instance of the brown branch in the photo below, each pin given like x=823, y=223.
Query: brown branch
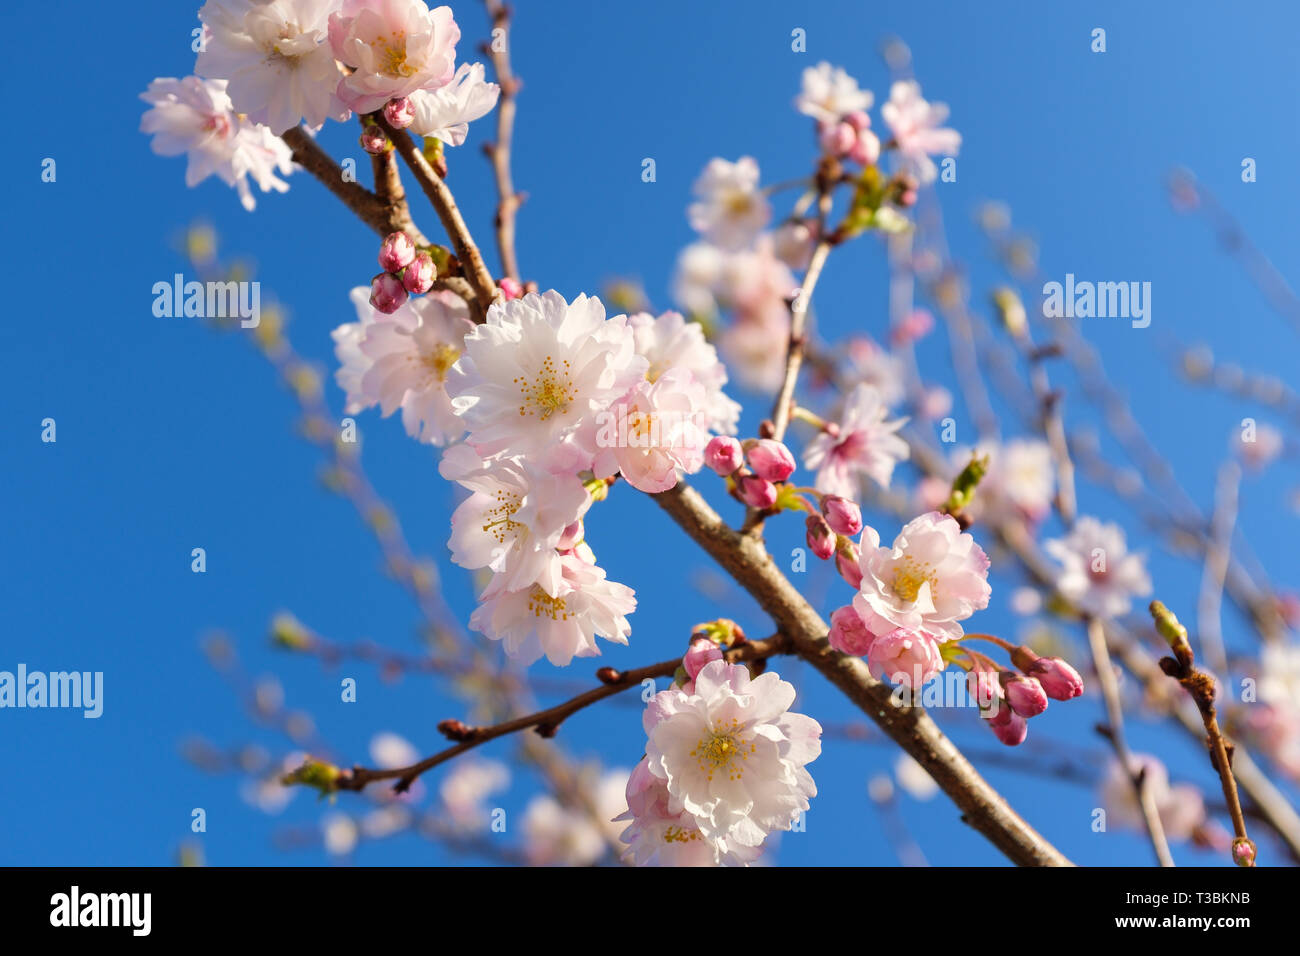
x=381, y=215
x=798, y=337
x=499, y=152
x=444, y=204
x=748, y=562
x=545, y=722
x=1200, y=687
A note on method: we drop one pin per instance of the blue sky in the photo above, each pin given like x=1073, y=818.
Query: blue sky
x=171, y=436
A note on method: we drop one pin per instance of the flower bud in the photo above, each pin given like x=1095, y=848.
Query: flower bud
x=838, y=138
x=821, y=539
x=770, y=459
x=510, y=288
x=844, y=516
x=701, y=652
x=387, y=293
x=374, y=140
x=1025, y=694
x=723, y=454
x=400, y=112
x=1060, y=681
x=757, y=492
x=846, y=562
x=986, y=690
x=419, y=275
x=396, y=252
x=1009, y=727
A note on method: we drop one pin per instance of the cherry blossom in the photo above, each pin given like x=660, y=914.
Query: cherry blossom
x=276, y=57
x=652, y=432
x=446, y=113
x=863, y=444
x=531, y=622
x=933, y=577
x=513, y=519
x=731, y=209
x=195, y=118
x=539, y=368
x=658, y=837
x=670, y=342
x=1097, y=573
x=905, y=656
x=829, y=93
x=918, y=129
x=395, y=47
x=1019, y=484
x=402, y=360
x=731, y=755
x=467, y=786
x=1180, y=806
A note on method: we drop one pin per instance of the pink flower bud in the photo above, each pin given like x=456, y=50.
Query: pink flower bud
x=858, y=120
x=843, y=515
x=399, y=112
x=701, y=652
x=838, y=138
x=771, y=460
x=1025, y=694
x=986, y=690
x=865, y=148
x=1243, y=852
x=723, y=454
x=821, y=539
x=510, y=288
x=1060, y=681
x=1009, y=727
x=386, y=293
x=849, y=634
x=396, y=252
x=373, y=139
x=847, y=565
x=419, y=275
x=757, y=492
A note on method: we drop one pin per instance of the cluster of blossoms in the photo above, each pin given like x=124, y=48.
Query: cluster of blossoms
x=1181, y=807
x=724, y=765
x=554, y=400
x=266, y=66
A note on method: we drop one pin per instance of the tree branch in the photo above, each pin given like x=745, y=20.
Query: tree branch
x=746, y=560
x=545, y=722
x=499, y=152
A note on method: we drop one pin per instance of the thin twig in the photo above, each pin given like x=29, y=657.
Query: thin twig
x=509, y=201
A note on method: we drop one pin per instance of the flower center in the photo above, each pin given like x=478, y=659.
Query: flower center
x=439, y=359
x=549, y=392
x=392, y=55
x=910, y=575
x=500, y=519
x=680, y=835
x=543, y=605
x=722, y=751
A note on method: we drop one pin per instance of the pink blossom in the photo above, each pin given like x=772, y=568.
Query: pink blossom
x=865, y=444
x=848, y=634
x=1009, y=727
x=933, y=577
x=918, y=129
x=847, y=563
x=905, y=656
x=399, y=112
x=395, y=47
x=670, y=342
x=652, y=433
x=1059, y=680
